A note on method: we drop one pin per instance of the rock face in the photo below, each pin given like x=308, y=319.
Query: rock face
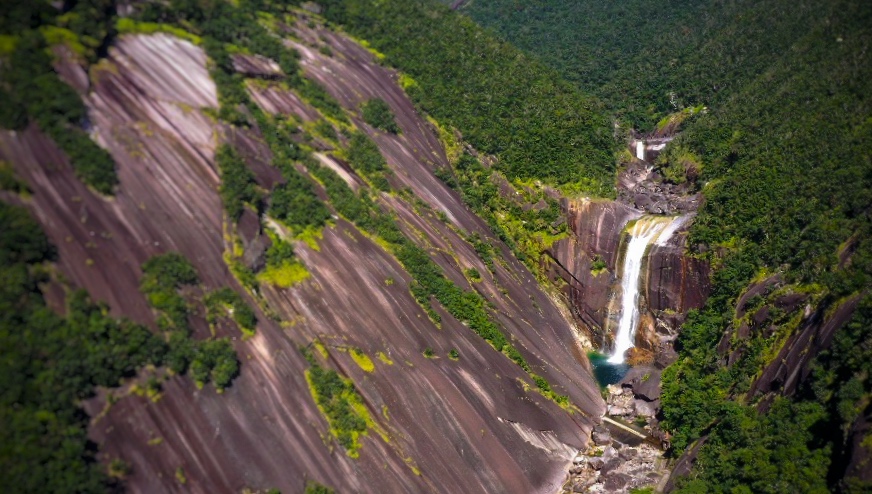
x=673, y=282
x=255, y=66
x=596, y=236
x=791, y=365
x=641, y=187
x=439, y=416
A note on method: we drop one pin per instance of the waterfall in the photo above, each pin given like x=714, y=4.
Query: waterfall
x=648, y=230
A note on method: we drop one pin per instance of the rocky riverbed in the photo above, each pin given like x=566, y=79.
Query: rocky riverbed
x=613, y=466
x=619, y=460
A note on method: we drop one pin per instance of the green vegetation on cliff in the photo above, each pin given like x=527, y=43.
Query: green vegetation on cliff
x=788, y=166
x=49, y=363
x=32, y=92
x=339, y=402
x=237, y=182
x=378, y=114
x=504, y=103
x=163, y=278
x=783, y=154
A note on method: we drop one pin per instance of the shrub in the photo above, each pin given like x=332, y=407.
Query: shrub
x=224, y=300
x=237, y=182
x=378, y=114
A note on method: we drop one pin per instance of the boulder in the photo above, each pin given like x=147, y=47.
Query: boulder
x=615, y=482
x=641, y=200
x=620, y=411
x=644, y=408
x=628, y=453
x=645, y=382
x=611, y=465
x=597, y=462
x=648, y=389
x=601, y=436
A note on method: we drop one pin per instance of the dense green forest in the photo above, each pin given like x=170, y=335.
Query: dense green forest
x=505, y=104
x=783, y=152
x=648, y=59
x=49, y=363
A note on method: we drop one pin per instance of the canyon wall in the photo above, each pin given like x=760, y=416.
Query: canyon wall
x=672, y=281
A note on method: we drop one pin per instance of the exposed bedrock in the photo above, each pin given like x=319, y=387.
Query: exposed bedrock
x=596, y=232
x=471, y=425
x=671, y=283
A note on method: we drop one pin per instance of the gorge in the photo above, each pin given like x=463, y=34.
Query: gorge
x=272, y=246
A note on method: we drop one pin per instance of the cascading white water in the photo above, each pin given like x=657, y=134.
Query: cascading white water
x=647, y=230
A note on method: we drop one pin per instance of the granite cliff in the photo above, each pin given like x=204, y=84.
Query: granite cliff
x=470, y=423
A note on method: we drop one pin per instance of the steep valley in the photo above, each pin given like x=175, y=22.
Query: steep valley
x=470, y=423
x=359, y=246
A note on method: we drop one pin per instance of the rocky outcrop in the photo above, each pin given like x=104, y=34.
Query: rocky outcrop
x=616, y=464
x=642, y=187
x=433, y=417
x=802, y=342
x=255, y=66
x=596, y=228
x=859, y=465
x=793, y=363
x=674, y=282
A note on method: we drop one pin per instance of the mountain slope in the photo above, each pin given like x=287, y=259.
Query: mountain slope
x=427, y=404
x=783, y=166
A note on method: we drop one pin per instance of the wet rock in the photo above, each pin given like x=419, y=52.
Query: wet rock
x=641, y=201
x=615, y=482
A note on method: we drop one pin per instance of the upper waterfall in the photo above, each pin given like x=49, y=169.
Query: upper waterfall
x=647, y=230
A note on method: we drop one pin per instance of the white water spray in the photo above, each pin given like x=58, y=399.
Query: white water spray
x=648, y=230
